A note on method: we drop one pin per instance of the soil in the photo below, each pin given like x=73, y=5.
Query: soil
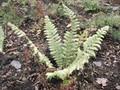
x=109, y=57
x=32, y=75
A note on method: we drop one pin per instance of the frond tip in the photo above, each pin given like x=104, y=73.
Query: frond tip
x=63, y=53
x=93, y=43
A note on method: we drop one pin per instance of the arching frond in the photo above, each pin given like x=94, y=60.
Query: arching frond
x=78, y=63
x=93, y=43
x=70, y=45
x=34, y=49
x=54, y=41
x=75, y=24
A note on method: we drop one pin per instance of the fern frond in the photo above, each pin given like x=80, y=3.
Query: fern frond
x=34, y=49
x=2, y=37
x=91, y=45
x=75, y=24
x=54, y=41
x=70, y=45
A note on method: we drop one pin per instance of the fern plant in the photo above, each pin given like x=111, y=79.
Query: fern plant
x=90, y=46
x=2, y=37
x=67, y=54
x=71, y=56
x=102, y=20
x=16, y=11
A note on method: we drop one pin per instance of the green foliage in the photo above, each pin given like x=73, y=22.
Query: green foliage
x=91, y=5
x=7, y=13
x=102, y=20
x=68, y=54
x=34, y=49
x=2, y=37
x=69, y=2
x=111, y=20
x=116, y=34
x=63, y=53
x=90, y=46
x=24, y=2
x=15, y=11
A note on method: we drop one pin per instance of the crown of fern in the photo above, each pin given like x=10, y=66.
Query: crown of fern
x=102, y=20
x=68, y=55
x=90, y=46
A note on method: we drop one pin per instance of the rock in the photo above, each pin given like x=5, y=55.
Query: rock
x=118, y=87
x=102, y=81
x=98, y=63
x=16, y=64
x=115, y=8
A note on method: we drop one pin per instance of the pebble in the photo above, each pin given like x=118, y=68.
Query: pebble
x=115, y=8
x=16, y=64
x=118, y=87
x=102, y=81
x=98, y=63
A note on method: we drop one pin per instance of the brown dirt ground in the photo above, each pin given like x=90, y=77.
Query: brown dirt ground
x=32, y=74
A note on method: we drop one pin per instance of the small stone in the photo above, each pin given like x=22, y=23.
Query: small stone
x=4, y=4
x=16, y=64
x=118, y=87
x=98, y=63
x=102, y=81
x=115, y=8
